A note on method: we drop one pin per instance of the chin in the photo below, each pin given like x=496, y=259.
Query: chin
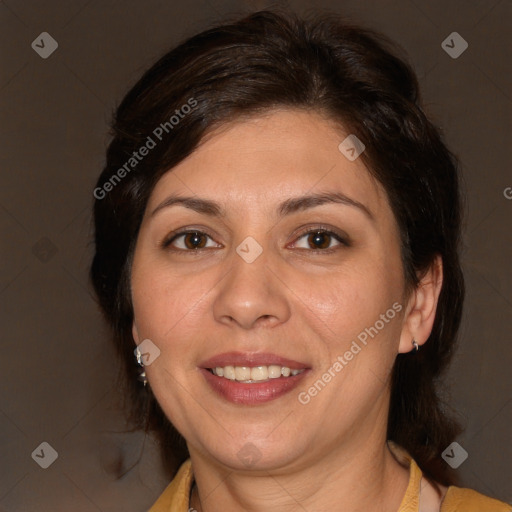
x=253, y=453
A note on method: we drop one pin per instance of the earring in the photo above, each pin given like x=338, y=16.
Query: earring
x=142, y=375
x=416, y=346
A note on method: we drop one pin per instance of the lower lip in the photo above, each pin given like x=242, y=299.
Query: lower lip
x=254, y=393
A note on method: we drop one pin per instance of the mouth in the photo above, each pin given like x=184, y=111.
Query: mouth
x=252, y=378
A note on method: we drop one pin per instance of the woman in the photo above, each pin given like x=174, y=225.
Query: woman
x=277, y=230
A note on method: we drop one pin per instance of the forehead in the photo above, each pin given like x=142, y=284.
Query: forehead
x=252, y=163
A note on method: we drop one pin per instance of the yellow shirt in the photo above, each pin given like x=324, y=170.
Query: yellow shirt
x=175, y=497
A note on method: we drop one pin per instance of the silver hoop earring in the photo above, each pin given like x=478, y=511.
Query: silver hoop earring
x=416, y=346
x=142, y=375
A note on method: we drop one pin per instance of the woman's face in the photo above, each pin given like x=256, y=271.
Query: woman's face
x=258, y=295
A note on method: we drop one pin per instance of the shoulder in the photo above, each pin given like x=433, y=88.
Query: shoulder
x=458, y=499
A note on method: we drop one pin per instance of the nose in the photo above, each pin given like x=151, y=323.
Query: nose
x=251, y=294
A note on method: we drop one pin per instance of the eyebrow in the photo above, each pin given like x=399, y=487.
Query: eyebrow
x=292, y=205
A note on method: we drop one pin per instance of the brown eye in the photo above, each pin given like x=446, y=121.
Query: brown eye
x=194, y=240
x=319, y=240
x=188, y=241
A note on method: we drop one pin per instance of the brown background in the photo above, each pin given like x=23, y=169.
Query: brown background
x=56, y=366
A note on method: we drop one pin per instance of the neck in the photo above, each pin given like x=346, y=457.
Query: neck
x=368, y=477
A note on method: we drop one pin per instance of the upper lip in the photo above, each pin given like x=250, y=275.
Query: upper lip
x=251, y=359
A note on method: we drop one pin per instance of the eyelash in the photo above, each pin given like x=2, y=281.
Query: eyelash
x=342, y=239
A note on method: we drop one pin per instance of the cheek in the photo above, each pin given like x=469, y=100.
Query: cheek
x=359, y=311
x=350, y=299
x=168, y=309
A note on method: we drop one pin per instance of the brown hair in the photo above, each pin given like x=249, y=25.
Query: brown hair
x=350, y=74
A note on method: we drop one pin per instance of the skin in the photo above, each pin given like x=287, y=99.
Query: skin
x=293, y=301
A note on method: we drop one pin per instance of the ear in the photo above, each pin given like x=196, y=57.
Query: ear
x=421, y=308
x=135, y=333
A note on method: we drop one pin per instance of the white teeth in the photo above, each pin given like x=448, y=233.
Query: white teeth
x=259, y=373
x=229, y=372
x=242, y=373
x=249, y=374
x=274, y=371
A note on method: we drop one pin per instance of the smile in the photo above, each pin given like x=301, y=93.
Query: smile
x=252, y=378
